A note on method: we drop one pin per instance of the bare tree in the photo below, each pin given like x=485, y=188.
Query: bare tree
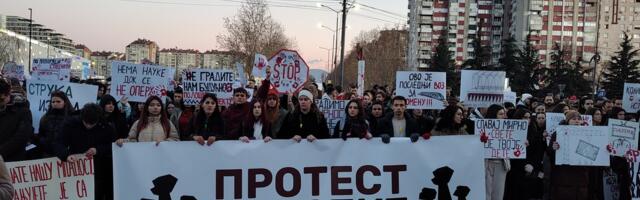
x=9, y=47
x=253, y=30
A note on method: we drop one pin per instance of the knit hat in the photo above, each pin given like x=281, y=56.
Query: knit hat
x=305, y=93
x=571, y=114
x=272, y=91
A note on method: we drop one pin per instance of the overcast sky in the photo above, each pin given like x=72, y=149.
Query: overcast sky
x=193, y=24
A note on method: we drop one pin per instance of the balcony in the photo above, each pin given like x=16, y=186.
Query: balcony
x=426, y=11
x=427, y=4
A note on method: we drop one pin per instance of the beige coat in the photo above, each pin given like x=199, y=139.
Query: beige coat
x=6, y=189
x=153, y=132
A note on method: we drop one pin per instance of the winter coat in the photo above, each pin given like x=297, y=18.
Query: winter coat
x=214, y=127
x=15, y=132
x=6, y=189
x=75, y=138
x=373, y=124
x=153, y=132
x=353, y=128
x=298, y=123
x=119, y=123
x=50, y=127
x=425, y=123
x=385, y=125
x=234, y=118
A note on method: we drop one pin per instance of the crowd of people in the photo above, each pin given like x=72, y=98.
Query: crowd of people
x=378, y=113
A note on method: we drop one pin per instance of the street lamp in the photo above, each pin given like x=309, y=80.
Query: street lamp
x=594, y=61
x=335, y=31
x=48, y=45
x=30, y=23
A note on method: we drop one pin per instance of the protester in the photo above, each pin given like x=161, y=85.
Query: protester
x=15, y=123
x=540, y=108
x=235, y=116
x=274, y=114
x=585, y=104
x=377, y=113
x=6, y=188
x=59, y=110
x=207, y=124
x=496, y=169
x=450, y=122
x=425, y=123
x=596, y=116
x=572, y=182
x=181, y=119
x=549, y=101
x=354, y=125
x=524, y=181
x=617, y=102
x=153, y=125
x=306, y=121
x=399, y=123
x=89, y=135
x=619, y=165
x=257, y=126
x=114, y=117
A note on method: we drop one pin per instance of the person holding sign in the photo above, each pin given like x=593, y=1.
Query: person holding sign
x=355, y=124
x=207, y=124
x=88, y=134
x=235, y=115
x=258, y=127
x=306, y=121
x=619, y=165
x=377, y=113
x=274, y=115
x=59, y=110
x=15, y=123
x=153, y=125
x=573, y=182
x=6, y=189
x=399, y=123
x=495, y=169
x=525, y=180
x=114, y=116
x=450, y=122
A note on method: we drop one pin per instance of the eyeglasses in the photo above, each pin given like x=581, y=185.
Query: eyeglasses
x=239, y=95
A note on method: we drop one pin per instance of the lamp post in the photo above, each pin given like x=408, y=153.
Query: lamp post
x=30, y=23
x=335, y=31
x=48, y=45
x=328, y=55
x=594, y=63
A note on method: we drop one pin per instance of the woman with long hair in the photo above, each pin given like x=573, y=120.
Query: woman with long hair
x=597, y=116
x=207, y=124
x=258, y=128
x=113, y=116
x=153, y=125
x=354, y=124
x=496, y=169
x=59, y=110
x=450, y=122
x=524, y=180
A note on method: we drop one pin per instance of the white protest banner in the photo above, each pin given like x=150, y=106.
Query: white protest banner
x=631, y=97
x=51, y=178
x=328, y=169
x=51, y=69
x=260, y=64
x=361, y=66
x=510, y=96
x=481, y=89
x=13, y=70
x=241, y=77
x=39, y=95
x=582, y=145
x=333, y=111
x=249, y=94
x=289, y=71
x=197, y=82
x=553, y=120
x=506, y=137
x=423, y=90
x=138, y=81
x=624, y=136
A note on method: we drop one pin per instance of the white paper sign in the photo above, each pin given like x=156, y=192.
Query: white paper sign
x=582, y=145
x=251, y=171
x=553, y=120
x=333, y=111
x=361, y=67
x=139, y=82
x=506, y=137
x=260, y=64
x=423, y=90
x=197, y=82
x=510, y=96
x=289, y=71
x=631, y=97
x=624, y=136
x=51, y=69
x=13, y=70
x=481, y=89
x=39, y=95
x=51, y=178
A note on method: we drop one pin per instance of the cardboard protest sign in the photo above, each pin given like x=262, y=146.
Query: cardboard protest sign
x=423, y=90
x=39, y=95
x=333, y=111
x=197, y=82
x=51, y=69
x=553, y=120
x=582, y=145
x=481, y=89
x=624, y=136
x=260, y=64
x=510, y=96
x=506, y=137
x=631, y=97
x=289, y=71
x=138, y=82
x=361, y=67
x=51, y=178
x=13, y=70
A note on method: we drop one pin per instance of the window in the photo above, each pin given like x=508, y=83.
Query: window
x=605, y=35
x=606, y=8
x=636, y=36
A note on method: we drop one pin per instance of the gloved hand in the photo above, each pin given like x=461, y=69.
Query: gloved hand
x=528, y=168
x=414, y=137
x=426, y=136
x=385, y=138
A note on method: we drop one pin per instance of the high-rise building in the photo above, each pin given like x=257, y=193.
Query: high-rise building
x=142, y=50
x=617, y=17
x=39, y=32
x=82, y=51
x=180, y=58
x=569, y=24
x=214, y=59
x=101, y=61
x=458, y=21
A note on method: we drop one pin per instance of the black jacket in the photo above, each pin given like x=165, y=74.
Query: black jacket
x=297, y=123
x=15, y=131
x=50, y=127
x=352, y=128
x=120, y=125
x=385, y=125
x=76, y=139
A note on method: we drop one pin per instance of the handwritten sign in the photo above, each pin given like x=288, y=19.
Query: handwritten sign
x=197, y=82
x=582, y=145
x=482, y=88
x=289, y=71
x=138, y=81
x=333, y=111
x=39, y=95
x=624, y=136
x=631, y=97
x=51, y=69
x=259, y=66
x=506, y=137
x=553, y=121
x=13, y=70
x=51, y=178
x=423, y=90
